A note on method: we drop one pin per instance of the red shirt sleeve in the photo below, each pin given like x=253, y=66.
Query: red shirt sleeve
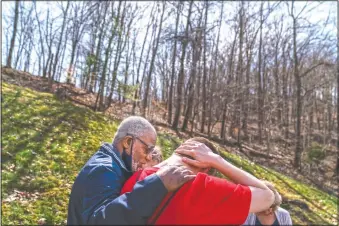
x=216, y=201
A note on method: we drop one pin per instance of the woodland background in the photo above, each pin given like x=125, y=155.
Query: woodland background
x=260, y=78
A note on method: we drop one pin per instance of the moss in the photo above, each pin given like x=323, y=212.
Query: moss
x=46, y=142
x=315, y=152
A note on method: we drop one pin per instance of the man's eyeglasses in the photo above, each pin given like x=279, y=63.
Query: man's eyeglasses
x=150, y=148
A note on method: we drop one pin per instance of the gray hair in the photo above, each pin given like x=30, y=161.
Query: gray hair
x=133, y=125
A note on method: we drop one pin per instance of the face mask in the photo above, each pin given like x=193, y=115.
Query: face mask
x=128, y=158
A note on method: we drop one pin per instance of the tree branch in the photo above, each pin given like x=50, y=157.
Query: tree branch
x=314, y=67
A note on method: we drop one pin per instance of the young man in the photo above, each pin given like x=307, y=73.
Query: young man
x=206, y=199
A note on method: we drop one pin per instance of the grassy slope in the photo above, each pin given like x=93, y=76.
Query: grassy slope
x=46, y=142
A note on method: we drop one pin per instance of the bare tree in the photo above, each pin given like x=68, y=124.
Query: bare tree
x=115, y=22
x=152, y=62
x=56, y=59
x=337, y=168
x=101, y=24
x=181, y=72
x=203, y=112
x=140, y=60
x=79, y=19
x=196, y=53
x=11, y=49
x=260, y=85
x=170, y=95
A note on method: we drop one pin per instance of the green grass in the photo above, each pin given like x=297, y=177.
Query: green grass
x=44, y=145
x=46, y=142
x=322, y=207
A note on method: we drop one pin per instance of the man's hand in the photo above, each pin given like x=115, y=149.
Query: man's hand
x=202, y=155
x=174, y=177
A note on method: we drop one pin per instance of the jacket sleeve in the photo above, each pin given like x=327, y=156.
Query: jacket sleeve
x=103, y=205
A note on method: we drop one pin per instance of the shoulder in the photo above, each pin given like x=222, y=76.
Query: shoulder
x=101, y=165
x=250, y=220
x=283, y=212
x=212, y=181
x=213, y=185
x=284, y=217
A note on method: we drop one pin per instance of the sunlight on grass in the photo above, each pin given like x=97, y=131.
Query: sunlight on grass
x=322, y=207
x=46, y=142
x=44, y=145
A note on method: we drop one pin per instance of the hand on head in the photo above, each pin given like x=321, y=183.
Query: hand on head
x=203, y=156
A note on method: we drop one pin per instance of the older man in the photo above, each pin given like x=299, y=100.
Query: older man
x=95, y=194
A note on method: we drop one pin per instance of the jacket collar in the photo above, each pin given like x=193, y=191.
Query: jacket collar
x=113, y=152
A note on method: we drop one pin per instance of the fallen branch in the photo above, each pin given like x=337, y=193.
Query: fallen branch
x=260, y=153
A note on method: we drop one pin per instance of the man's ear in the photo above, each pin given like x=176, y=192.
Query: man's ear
x=126, y=142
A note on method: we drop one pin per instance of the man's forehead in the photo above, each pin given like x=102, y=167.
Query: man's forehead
x=149, y=138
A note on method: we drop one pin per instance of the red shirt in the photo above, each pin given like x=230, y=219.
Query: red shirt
x=204, y=200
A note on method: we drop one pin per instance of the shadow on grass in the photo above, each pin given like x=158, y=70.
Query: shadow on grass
x=32, y=134
x=306, y=212
x=303, y=196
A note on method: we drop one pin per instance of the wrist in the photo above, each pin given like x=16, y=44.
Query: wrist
x=217, y=162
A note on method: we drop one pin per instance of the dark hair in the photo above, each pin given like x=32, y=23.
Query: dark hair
x=210, y=145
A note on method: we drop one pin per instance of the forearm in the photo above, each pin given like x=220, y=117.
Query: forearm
x=133, y=207
x=237, y=175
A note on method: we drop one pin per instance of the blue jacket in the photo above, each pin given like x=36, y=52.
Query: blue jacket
x=95, y=193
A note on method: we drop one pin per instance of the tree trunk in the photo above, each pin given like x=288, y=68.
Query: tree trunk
x=298, y=149
x=337, y=168
x=247, y=92
x=170, y=95
x=128, y=57
x=203, y=112
x=98, y=49
x=149, y=77
x=239, y=74
x=181, y=72
x=41, y=44
x=277, y=84
x=11, y=48
x=195, y=57
x=70, y=67
x=146, y=61
x=260, y=96
x=139, y=65
x=214, y=74
x=329, y=113
x=119, y=50
x=107, y=56
x=228, y=82
x=63, y=49
x=56, y=58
